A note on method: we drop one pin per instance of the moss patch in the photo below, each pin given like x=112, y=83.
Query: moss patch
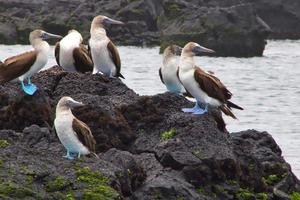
x=244, y=194
x=97, y=185
x=4, y=143
x=295, y=196
x=272, y=179
x=262, y=196
x=168, y=134
x=15, y=191
x=58, y=184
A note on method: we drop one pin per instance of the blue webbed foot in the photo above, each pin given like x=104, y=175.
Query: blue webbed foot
x=29, y=89
x=191, y=110
x=200, y=111
x=68, y=156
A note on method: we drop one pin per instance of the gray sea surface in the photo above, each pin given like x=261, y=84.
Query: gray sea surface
x=267, y=87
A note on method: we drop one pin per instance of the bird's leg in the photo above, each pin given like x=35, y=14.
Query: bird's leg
x=191, y=110
x=68, y=156
x=28, y=81
x=78, y=156
x=201, y=111
x=29, y=88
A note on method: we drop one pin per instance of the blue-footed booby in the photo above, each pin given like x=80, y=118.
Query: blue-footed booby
x=74, y=134
x=23, y=66
x=104, y=53
x=168, y=71
x=204, y=87
x=72, y=55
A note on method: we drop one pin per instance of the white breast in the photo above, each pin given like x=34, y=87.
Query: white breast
x=66, y=59
x=40, y=62
x=169, y=74
x=66, y=135
x=101, y=57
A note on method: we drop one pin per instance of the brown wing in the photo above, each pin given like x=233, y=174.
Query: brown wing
x=83, y=62
x=212, y=85
x=56, y=53
x=160, y=75
x=84, y=134
x=16, y=66
x=114, y=54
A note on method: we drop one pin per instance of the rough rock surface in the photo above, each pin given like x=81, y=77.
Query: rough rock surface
x=231, y=27
x=147, y=148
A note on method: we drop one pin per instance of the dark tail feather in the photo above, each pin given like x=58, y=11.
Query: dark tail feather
x=121, y=76
x=232, y=105
x=94, y=154
x=220, y=121
x=227, y=111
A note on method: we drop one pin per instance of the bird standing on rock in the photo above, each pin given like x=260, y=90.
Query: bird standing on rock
x=104, y=53
x=74, y=134
x=204, y=87
x=23, y=66
x=168, y=72
x=72, y=55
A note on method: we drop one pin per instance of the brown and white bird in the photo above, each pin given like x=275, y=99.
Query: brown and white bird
x=74, y=134
x=23, y=66
x=72, y=55
x=204, y=87
x=104, y=53
x=168, y=71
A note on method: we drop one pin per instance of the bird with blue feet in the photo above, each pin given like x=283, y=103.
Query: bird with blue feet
x=74, y=134
x=206, y=88
x=105, y=54
x=23, y=66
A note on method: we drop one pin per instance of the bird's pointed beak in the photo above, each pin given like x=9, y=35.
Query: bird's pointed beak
x=47, y=35
x=75, y=104
x=201, y=49
x=112, y=21
x=178, y=50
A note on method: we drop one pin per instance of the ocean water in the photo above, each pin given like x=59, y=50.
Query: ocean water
x=267, y=87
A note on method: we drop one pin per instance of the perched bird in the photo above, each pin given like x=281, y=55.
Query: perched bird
x=23, y=66
x=204, y=87
x=72, y=55
x=104, y=53
x=168, y=72
x=74, y=134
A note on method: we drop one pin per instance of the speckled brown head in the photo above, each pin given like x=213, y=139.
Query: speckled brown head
x=41, y=35
x=173, y=50
x=102, y=21
x=67, y=103
x=193, y=49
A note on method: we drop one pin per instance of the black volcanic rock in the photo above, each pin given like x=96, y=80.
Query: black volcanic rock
x=231, y=27
x=147, y=148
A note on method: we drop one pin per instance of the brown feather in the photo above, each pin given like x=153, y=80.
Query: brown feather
x=16, y=66
x=83, y=62
x=84, y=134
x=56, y=53
x=160, y=75
x=227, y=111
x=212, y=86
x=114, y=54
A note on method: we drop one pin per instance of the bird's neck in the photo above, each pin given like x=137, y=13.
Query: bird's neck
x=41, y=46
x=170, y=60
x=63, y=110
x=98, y=32
x=186, y=63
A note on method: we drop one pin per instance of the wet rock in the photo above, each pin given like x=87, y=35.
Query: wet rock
x=147, y=147
x=232, y=28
